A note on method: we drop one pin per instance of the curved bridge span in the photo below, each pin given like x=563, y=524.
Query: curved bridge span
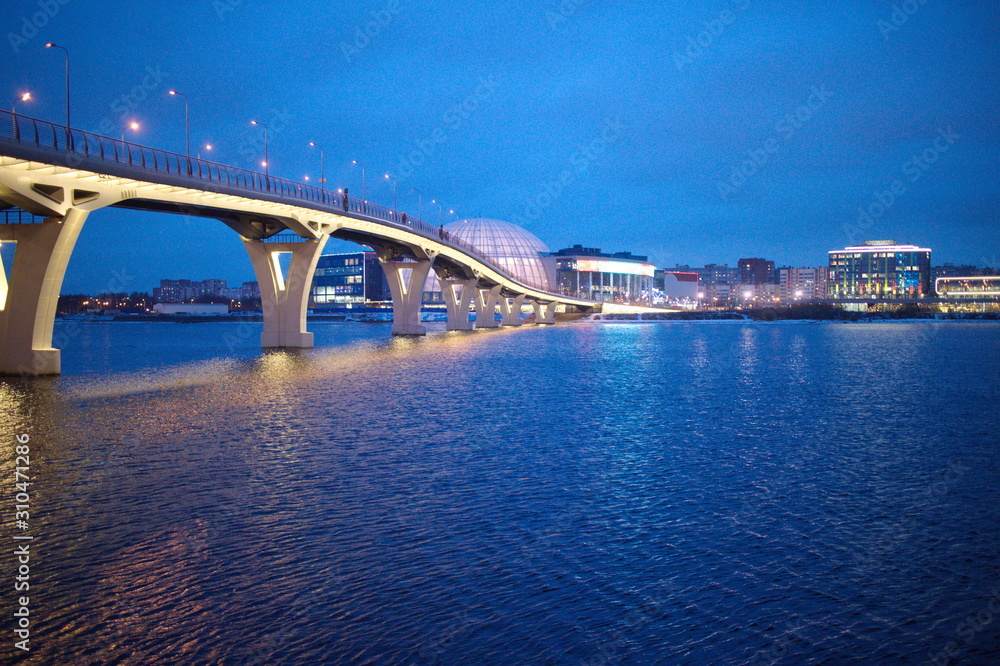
x=62, y=175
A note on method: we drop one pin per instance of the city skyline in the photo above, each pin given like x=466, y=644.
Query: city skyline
x=616, y=127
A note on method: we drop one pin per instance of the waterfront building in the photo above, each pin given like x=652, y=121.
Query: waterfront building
x=183, y=291
x=517, y=251
x=756, y=271
x=802, y=284
x=680, y=286
x=880, y=269
x=348, y=280
x=586, y=272
x=983, y=287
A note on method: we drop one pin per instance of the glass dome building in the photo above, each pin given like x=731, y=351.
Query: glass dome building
x=515, y=249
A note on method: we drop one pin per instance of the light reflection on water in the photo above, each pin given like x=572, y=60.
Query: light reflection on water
x=672, y=493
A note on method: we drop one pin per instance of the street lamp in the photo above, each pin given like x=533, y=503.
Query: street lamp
x=440, y=212
x=207, y=146
x=362, y=178
x=322, y=172
x=388, y=177
x=420, y=203
x=52, y=45
x=23, y=98
x=187, y=124
x=131, y=126
x=254, y=122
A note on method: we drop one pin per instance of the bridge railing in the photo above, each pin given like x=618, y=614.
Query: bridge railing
x=43, y=134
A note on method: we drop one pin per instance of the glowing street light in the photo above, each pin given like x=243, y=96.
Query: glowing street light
x=187, y=124
x=52, y=45
x=131, y=126
x=207, y=146
x=440, y=212
x=362, y=178
x=322, y=172
x=254, y=122
x=23, y=98
x=388, y=177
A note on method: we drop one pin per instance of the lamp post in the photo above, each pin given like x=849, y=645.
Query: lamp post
x=420, y=203
x=440, y=212
x=254, y=122
x=52, y=45
x=187, y=124
x=394, y=202
x=23, y=98
x=322, y=172
x=207, y=146
x=131, y=126
x=362, y=178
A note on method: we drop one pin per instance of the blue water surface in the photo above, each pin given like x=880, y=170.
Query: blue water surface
x=591, y=493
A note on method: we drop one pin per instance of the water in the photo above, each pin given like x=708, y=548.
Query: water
x=681, y=493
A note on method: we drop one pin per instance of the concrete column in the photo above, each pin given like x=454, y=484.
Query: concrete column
x=285, y=299
x=545, y=313
x=510, y=310
x=486, y=307
x=406, y=282
x=458, y=304
x=29, y=311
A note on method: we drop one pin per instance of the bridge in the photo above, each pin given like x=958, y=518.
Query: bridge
x=59, y=175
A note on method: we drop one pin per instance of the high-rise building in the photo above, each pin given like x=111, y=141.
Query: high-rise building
x=756, y=271
x=880, y=269
x=802, y=284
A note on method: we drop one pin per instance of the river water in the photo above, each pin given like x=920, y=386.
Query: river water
x=659, y=493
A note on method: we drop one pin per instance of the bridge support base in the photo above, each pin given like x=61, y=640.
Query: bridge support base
x=545, y=313
x=406, y=284
x=28, y=303
x=486, y=306
x=285, y=299
x=510, y=310
x=458, y=303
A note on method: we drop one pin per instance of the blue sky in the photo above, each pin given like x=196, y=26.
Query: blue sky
x=695, y=134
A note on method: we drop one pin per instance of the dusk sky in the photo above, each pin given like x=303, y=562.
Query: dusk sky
x=694, y=133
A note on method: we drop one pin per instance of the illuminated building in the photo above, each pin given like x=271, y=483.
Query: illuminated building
x=983, y=287
x=802, y=284
x=880, y=269
x=516, y=250
x=588, y=273
x=345, y=280
x=756, y=271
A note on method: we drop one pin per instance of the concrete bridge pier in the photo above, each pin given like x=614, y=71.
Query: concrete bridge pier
x=510, y=310
x=285, y=299
x=486, y=306
x=406, y=284
x=545, y=312
x=458, y=303
x=28, y=303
